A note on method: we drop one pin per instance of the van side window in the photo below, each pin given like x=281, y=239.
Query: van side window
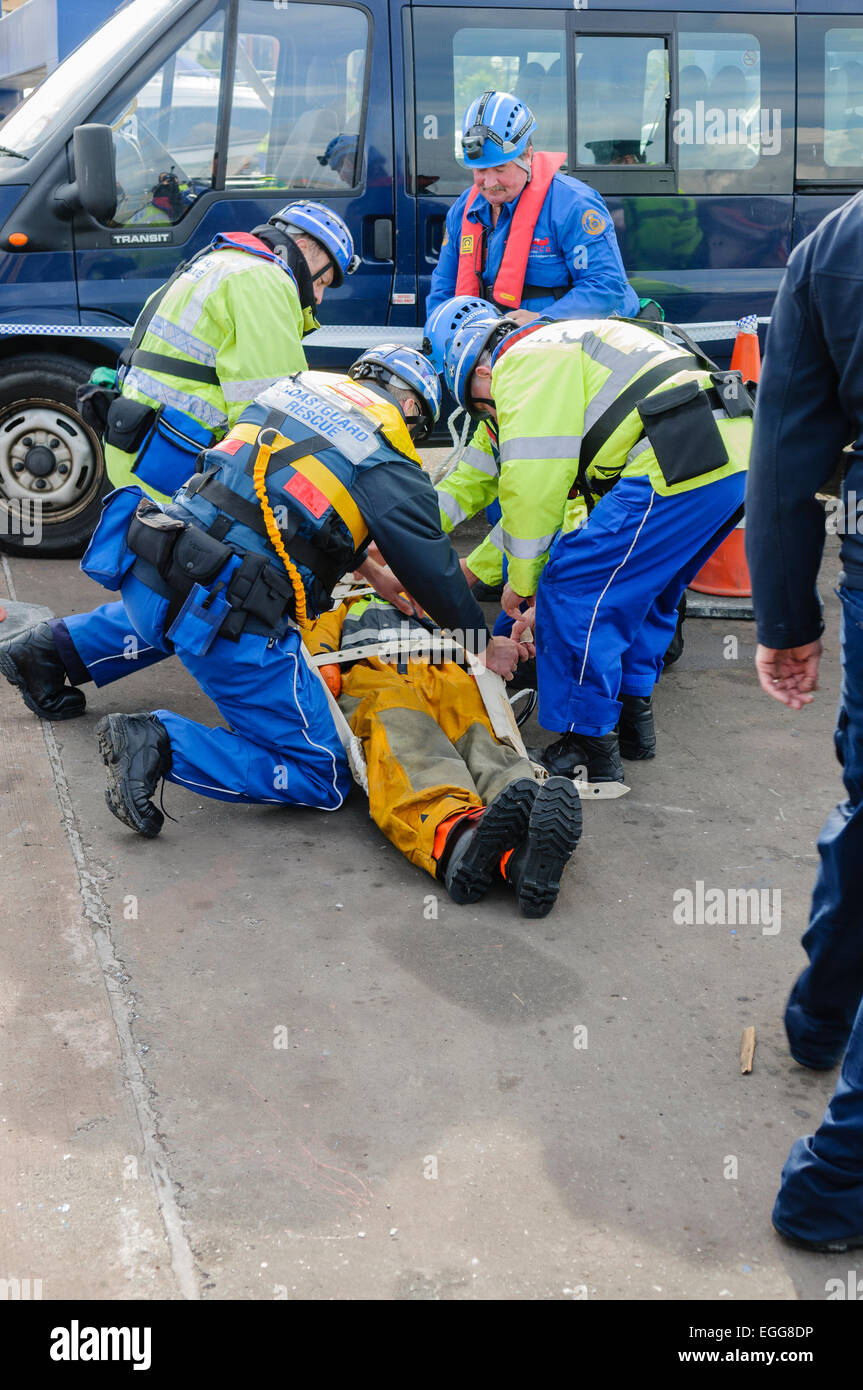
x=621, y=98
x=298, y=97
x=165, y=135
x=843, y=99
x=459, y=54
x=732, y=130
x=718, y=122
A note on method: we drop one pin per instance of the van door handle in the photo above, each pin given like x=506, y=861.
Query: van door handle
x=378, y=238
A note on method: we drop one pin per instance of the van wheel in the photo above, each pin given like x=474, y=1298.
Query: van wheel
x=52, y=472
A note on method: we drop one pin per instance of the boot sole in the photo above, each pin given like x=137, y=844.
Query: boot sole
x=112, y=746
x=14, y=677
x=553, y=833
x=500, y=829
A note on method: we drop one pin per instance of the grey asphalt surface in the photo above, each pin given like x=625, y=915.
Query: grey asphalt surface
x=262, y=1057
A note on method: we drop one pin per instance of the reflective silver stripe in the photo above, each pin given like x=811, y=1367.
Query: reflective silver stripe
x=495, y=535
x=210, y=281
x=185, y=342
x=451, y=508
x=480, y=460
x=624, y=367
x=177, y=400
x=527, y=550
x=552, y=446
x=246, y=390
x=639, y=448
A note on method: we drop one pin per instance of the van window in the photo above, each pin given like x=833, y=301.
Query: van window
x=165, y=135
x=718, y=122
x=298, y=97
x=830, y=99
x=458, y=55
x=621, y=97
x=843, y=99
x=733, y=127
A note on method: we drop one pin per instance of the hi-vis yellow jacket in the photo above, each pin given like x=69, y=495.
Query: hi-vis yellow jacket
x=549, y=389
x=232, y=311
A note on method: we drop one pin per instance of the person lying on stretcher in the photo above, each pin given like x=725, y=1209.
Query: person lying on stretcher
x=449, y=793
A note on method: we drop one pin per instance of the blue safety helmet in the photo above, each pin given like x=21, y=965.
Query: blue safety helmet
x=447, y=319
x=496, y=128
x=327, y=228
x=464, y=350
x=393, y=362
x=339, y=148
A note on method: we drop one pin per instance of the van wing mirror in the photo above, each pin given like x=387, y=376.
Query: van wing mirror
x=94, y=189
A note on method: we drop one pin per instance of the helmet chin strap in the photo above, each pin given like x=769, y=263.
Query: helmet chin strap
x=287, y=250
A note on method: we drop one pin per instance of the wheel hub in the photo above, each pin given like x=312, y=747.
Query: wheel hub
x=40, y=461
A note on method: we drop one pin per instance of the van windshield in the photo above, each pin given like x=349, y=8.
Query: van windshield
x=26, y=128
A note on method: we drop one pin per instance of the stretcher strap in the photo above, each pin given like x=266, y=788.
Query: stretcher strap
x=348, y=739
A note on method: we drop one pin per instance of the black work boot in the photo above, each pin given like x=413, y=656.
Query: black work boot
x=136, y=752
x=33, y=663
x=474, y=849
x=535, y=869
x=635, y=731
x=599, y=756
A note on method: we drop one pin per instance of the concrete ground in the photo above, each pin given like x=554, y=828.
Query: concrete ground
x=262, y=1057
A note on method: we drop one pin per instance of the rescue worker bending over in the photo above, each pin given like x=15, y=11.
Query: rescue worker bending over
x=226, y=324
x=622, y=467
x=531, y=240
x=455, y=799
x=247, y=553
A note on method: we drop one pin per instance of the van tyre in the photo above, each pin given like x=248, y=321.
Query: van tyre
x=51, y=465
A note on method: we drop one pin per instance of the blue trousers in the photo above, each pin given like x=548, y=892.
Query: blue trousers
x=282, y=745
x=822, y=1182
x=102, y=646
x=606, y=605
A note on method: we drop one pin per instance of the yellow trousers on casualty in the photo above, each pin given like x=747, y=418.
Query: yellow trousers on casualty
x=429, y=746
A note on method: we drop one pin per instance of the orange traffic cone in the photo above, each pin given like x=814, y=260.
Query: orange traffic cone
x=746, y=357
x=726, y=573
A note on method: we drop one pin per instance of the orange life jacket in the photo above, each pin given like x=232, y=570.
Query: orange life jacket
x=509, y=282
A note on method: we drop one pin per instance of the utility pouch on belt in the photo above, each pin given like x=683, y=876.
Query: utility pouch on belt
x=735, y=397
x=195, y=556
x=128, y=424
x=153, y=534
x=170, y=452
x=683, y=433
x=109, y=555
x=197, y=624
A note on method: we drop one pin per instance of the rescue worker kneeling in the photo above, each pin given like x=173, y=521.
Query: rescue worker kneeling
x=455, y=799
x=247, y=553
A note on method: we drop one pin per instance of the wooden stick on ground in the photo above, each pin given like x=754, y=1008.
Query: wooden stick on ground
x=747, y=1050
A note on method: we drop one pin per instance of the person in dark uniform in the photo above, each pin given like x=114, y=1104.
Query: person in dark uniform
x=809, y=407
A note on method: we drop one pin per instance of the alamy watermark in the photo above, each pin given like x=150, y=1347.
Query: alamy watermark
x=701, y=124
x=720, y=907
x=21, y=520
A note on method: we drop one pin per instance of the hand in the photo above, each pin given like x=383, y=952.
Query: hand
x=502, y=655
x=511, y=602
x=522, y=316
x=524, y=629
x=388, y=586
x=789, y=674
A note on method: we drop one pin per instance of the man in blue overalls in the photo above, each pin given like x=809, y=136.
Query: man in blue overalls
x=529, y=239
x=810, y=405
